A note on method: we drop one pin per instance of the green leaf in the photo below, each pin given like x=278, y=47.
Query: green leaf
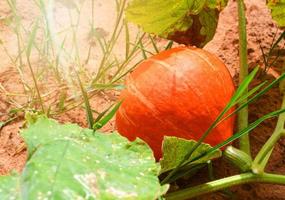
x=45, y=131
x=184, y=21
x=68, y=162
x=9, y=187
x=277, y=8
x=175, y=150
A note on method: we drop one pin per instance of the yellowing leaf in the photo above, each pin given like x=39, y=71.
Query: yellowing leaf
x=277, y=8
x=184, y=21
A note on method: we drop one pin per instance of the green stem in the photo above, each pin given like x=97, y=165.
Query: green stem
x=225, y=183
x=263, y=163
x=243, y=114
x=261, y=159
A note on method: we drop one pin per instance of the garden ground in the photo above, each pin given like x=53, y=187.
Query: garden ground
x=225, y=45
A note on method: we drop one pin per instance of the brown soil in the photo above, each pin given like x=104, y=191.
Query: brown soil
x=225, y=44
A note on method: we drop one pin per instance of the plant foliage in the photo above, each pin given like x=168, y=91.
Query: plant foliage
x=277, y=8
x=68, y=162
x=184, y=21
x=175, y=149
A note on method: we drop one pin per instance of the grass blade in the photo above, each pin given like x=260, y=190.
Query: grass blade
x=127, y=40
x=169, y=45
x=244, y=131
x=107, y=118
x=103, y=113
x=255, y=97
x=153, y=44
x=282, y=36
x=251, y=92
x=143, y=50
x=89, y=113
x=243, y=86
x=32, y=39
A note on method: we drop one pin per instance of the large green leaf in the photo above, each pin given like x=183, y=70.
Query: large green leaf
x=184, y=21
x=45, y=131
x=175, y=149
x=277, y=8
x=9, y=187
x=68, y=162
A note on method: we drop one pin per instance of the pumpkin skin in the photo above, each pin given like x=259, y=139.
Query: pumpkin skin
x=178, y=92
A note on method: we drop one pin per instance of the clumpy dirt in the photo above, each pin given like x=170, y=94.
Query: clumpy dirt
x=12, y=151
x=261, y=31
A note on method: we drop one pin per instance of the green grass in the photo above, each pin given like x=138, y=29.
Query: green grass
x=47, y=54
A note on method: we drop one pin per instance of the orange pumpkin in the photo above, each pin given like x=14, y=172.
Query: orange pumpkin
x=178, y=92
